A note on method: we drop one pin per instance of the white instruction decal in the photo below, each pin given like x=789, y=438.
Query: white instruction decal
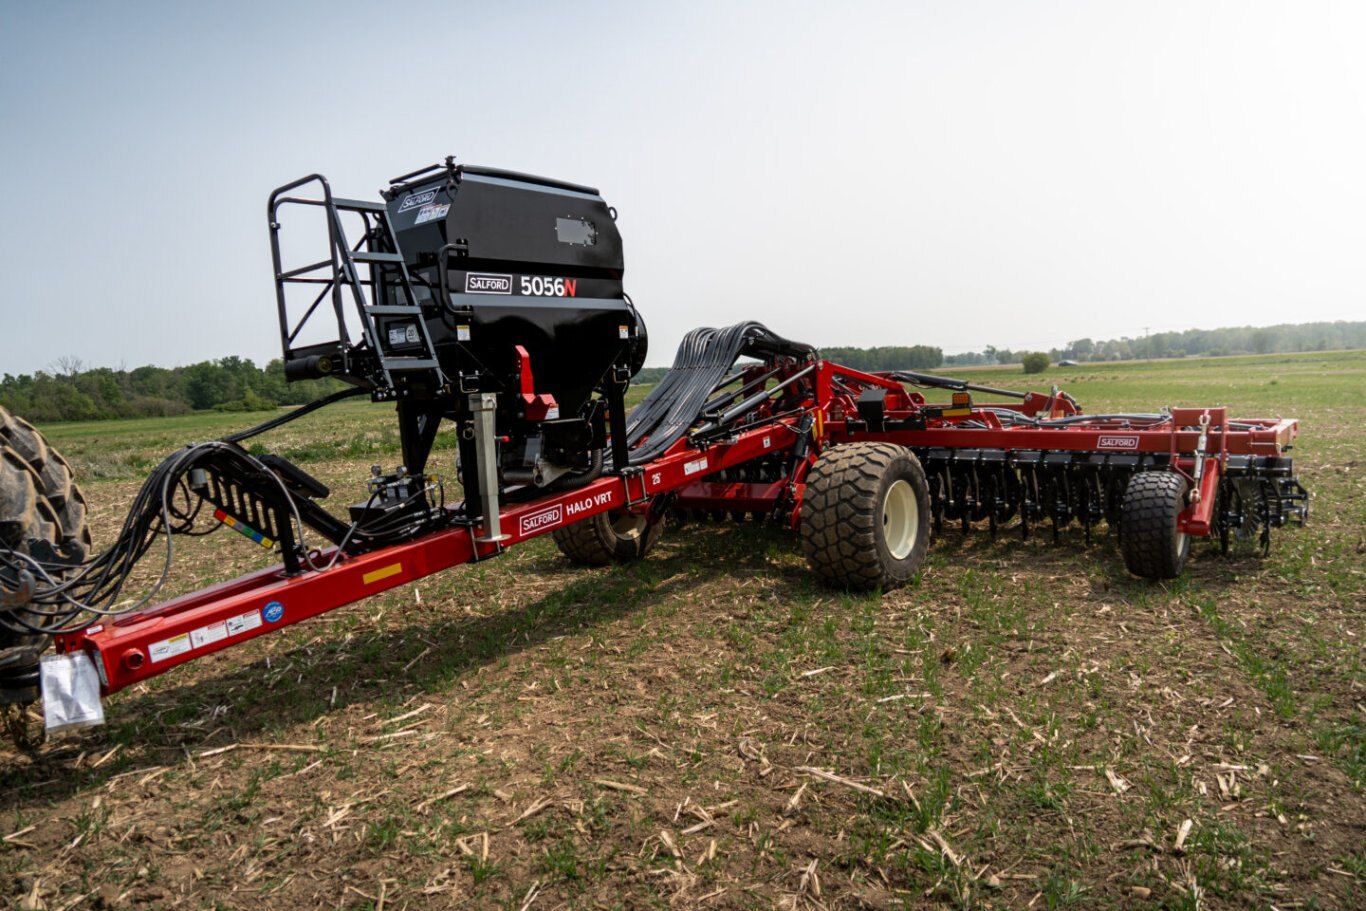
x=206, y=635
x=244, y=622
x=169, y=648
x=695, y=466
x=431, y=213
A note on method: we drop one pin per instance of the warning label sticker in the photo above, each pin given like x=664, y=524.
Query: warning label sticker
x=695, y=466
x=169, y=648
x=431, y=213
x=243, y=622
x=206, y=635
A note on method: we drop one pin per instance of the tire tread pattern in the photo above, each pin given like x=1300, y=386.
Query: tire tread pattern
x=594, y=542
x=56, y=498
x=39, y=502
x=841, y=515
x=1148, y=534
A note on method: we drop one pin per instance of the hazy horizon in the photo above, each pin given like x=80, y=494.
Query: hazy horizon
x=65, y=364
x=956, y=175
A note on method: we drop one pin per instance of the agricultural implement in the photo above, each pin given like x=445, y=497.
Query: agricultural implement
x=493, y=301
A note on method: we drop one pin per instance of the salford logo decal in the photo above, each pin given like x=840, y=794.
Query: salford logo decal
x=537, y=521
x=414, y=200
x=487, y=283
x=1117, y=443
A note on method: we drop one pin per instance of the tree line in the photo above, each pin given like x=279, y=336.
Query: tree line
x=1280, y=339
x=71, y=392
x=885, y=357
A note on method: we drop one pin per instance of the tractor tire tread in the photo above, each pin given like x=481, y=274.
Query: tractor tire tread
x=39, y=503
x=56, y=484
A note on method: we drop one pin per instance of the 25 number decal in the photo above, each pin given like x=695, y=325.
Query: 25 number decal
x=536, y=286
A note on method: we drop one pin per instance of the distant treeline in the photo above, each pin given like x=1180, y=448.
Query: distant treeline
x=73, y=393
x=888, y=357
x=70, y=392
x=1286, y=337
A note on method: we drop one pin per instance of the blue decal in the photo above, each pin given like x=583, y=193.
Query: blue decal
x=273, y=611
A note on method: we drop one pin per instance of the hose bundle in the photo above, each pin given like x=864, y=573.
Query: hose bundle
x=57, y=597
x=703, y=362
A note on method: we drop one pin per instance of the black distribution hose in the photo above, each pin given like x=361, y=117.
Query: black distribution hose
x=66, y=597
x=163, y=504
x=293, y=415
x=705, y=358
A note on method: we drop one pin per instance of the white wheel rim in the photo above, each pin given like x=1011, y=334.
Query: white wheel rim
x=900, y=519
x=627, y=525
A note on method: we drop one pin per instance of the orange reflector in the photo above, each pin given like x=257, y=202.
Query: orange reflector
x=961, y=407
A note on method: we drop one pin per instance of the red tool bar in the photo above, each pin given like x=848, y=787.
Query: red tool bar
x=141, y=645
x=1270, y=440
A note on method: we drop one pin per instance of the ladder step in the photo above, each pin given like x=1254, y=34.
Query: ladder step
x=394, y=310
x=358, y=205
x=409, y=363
x=367, y=257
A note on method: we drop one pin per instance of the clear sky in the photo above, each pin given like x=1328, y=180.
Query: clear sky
x=959, y=173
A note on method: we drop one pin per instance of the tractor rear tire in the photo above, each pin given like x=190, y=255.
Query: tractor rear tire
x=866, y=517
x=42, y=515
x=1153, y=546
x=617, y=536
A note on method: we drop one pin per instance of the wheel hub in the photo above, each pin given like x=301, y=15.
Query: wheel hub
x=900, y=519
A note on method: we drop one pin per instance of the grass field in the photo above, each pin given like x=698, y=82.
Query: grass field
x=1026, y=726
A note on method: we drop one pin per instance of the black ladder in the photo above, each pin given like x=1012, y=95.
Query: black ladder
x=390, y=370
